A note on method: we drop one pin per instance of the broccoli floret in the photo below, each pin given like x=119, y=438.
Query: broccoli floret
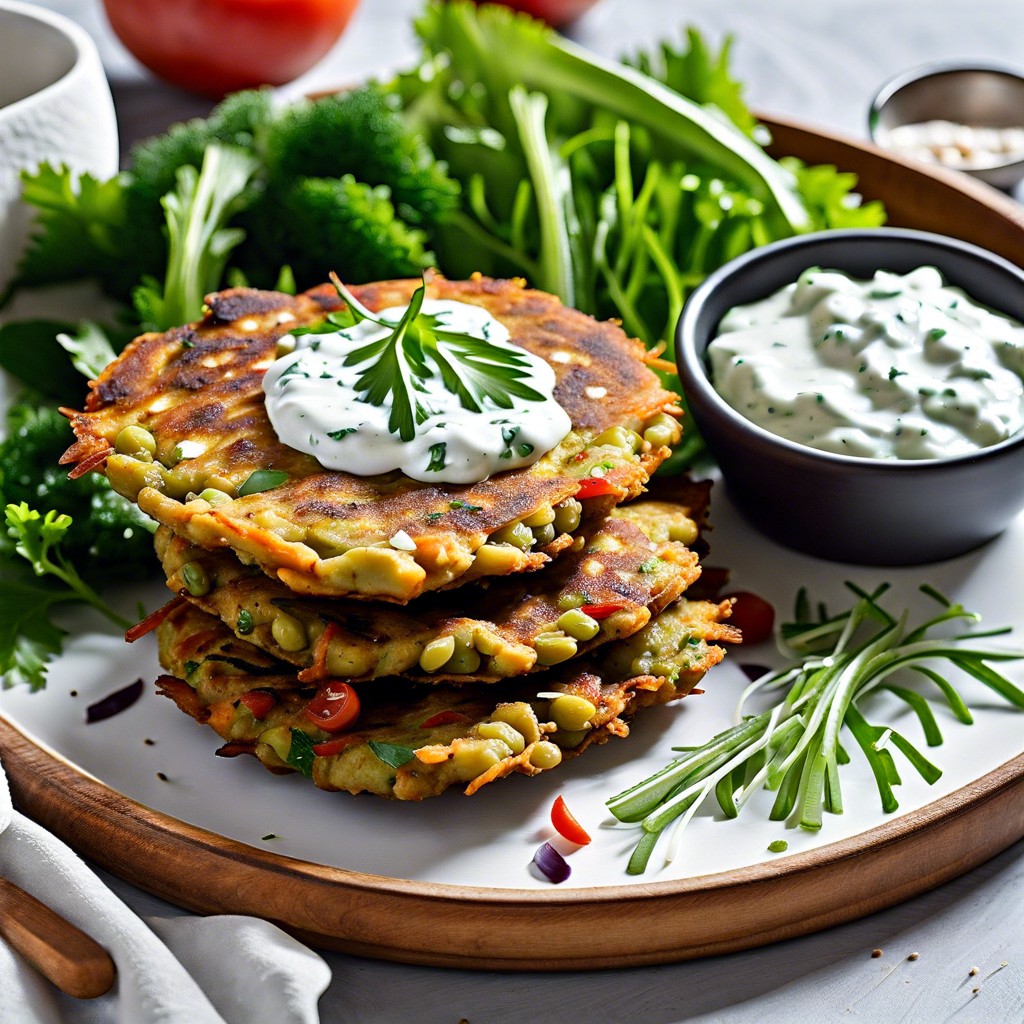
x=362, y=134
x=321, y=224
x=155, y=162
x=109, y=539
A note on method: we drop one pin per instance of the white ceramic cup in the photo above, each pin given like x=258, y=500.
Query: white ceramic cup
x=55, y=107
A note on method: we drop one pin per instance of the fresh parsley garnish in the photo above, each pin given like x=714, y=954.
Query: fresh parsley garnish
x=28, y=637
x=392, y=754
x=300, y=753
x=420, y=346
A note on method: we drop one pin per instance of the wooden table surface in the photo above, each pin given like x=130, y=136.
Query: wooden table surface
x=821, y=63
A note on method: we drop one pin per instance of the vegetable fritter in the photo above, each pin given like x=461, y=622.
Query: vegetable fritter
x=609, y=589
x=182, y=414
x=413, y=741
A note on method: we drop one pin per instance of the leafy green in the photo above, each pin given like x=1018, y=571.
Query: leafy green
x=794, y=747
x=29, y=349
x=619, y=188
x=300, y=753
x=262, y=480
x=392, y=754
x=419, y=347
x=89, y=348
x=109, y=538
x=199, y=241
x=28, y=637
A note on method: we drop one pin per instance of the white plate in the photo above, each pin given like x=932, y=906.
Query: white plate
x=488, y=840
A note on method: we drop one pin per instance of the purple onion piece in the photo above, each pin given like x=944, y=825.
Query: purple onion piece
x=551, y=864
x=114, y=703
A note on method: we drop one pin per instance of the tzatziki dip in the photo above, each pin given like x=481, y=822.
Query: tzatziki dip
x=316, y=406
x=902, y=366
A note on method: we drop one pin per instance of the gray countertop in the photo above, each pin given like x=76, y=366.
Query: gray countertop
x=819, y=62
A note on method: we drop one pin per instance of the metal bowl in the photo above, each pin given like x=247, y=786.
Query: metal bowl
x=974, y=95
x=845, y=508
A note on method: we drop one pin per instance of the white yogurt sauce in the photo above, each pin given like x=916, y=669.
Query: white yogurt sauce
x=315, y=408
x=899, y=367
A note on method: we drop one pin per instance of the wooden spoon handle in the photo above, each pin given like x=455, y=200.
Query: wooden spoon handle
x=75, y=963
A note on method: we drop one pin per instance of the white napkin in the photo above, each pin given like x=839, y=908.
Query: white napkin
x=213, y=970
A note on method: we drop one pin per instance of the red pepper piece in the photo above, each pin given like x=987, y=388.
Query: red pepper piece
x=151, y=621
x=330, y=747
x=600, y=611
x=594, y=487
x=566, y=824
x=259, y=702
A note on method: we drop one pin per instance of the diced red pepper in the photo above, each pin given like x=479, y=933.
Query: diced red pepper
x=335, y=707
x=259, y=703
x=566, y=824
x=151, y=621
x=594, y=487
x=447, y=717
x=331, y=747
x=601, y=611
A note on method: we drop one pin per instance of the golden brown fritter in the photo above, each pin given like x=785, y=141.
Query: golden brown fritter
x=325, y=532
x=413, y=741
x=618, y=580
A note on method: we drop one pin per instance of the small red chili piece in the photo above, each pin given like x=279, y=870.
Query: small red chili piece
x=600, y=611
x=566, y=824
x=259, y=703
x=331, y=747
x=447, y=717
x=151, y=621
x=335, y=707
x=594, y=487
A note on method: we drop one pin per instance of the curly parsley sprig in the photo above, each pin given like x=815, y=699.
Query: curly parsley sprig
x=794, y=747
x=419, y=347
x=28, y=637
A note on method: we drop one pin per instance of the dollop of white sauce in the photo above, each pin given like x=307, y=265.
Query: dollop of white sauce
x=898, y=367
x=314, y=407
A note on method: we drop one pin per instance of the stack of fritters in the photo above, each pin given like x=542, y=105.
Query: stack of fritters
x=484, y=629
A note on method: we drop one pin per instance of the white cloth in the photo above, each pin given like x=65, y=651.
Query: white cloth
x=200, y=970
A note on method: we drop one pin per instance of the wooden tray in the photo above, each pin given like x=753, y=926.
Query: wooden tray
x=554, y=929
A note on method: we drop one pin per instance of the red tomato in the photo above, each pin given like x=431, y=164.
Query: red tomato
x=214, y=47
x=753, y=616
x=566, y=825
x=554, y=12
x=259, y=702
x=335, y=707
x=593, y=487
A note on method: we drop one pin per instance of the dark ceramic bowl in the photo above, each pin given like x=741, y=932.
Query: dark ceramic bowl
x=870, y=511
x=983, y=95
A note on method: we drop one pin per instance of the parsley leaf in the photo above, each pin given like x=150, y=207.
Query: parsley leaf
x=300, y=753
x=28, y=638
x=262, y=480
x=89, y=348
x=419, y=347
x=392, y=754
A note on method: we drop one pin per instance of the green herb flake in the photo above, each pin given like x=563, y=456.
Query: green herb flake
x=437, y=457
x=337, y=435
x=458, y=503
x=300, y=753
x=650, y=565
x=262, y=480
x=778, y=846
x=392, y=754
x=190, y=667
x=433, y=517
x=244, y=625
x=894, y=373
x=525, y=449
x=188, y=344
x=270, y=835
